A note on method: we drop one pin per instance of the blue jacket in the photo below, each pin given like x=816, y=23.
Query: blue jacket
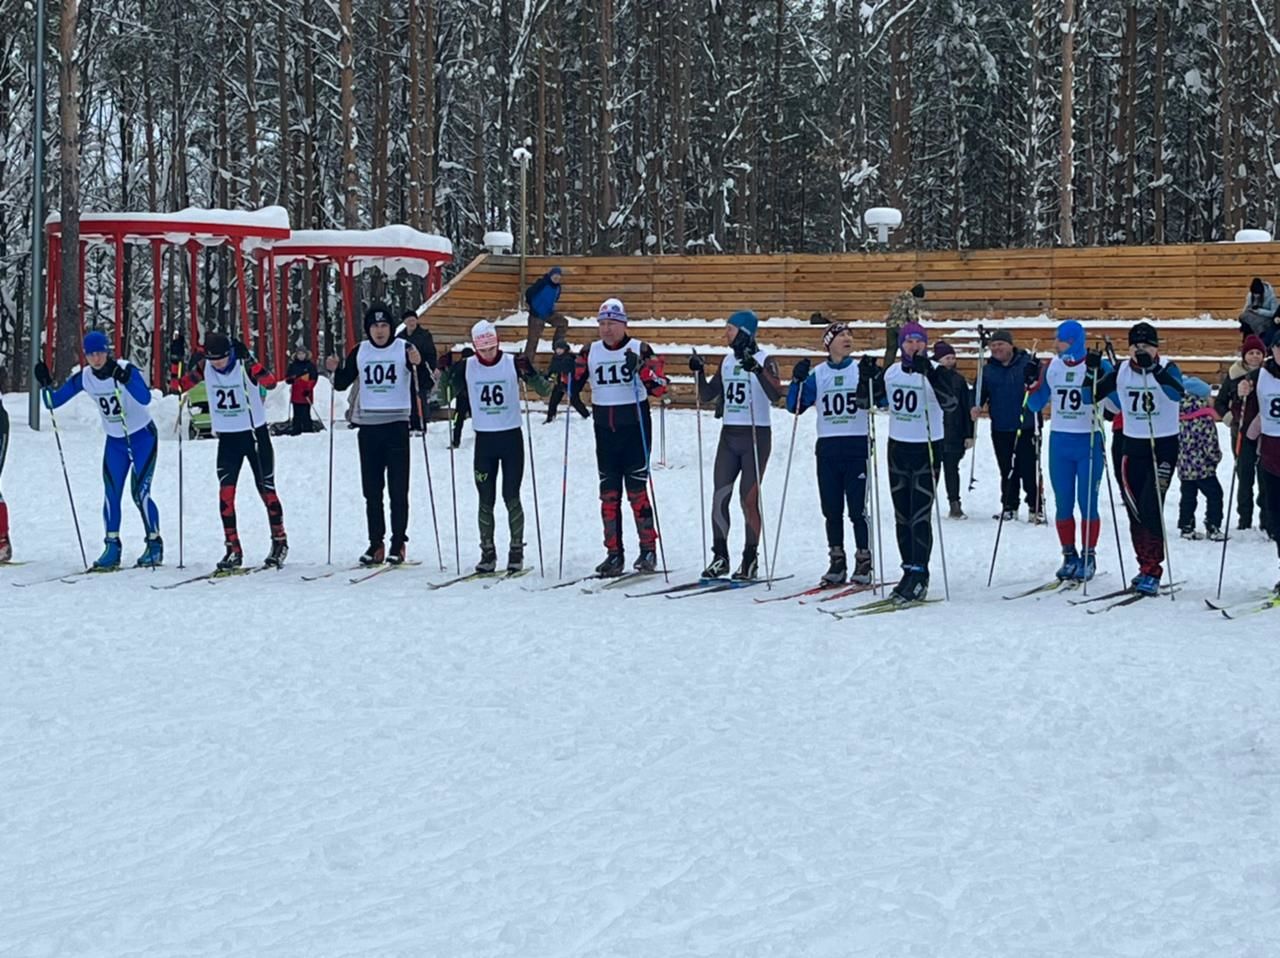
x=1003, y=390
x=542, y=295
x=75, y=385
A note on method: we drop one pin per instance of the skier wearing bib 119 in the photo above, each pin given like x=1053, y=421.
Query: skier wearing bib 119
x=744, y=388
x=1076, y=449
x=623, y=373
x=491, y=380
x=232, y=378
x=123, y=402
x=916, y=392
x=1147, y=392
x=837, y=390
x=383, y=366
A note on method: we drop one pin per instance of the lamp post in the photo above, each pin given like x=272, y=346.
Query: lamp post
x=37, y=226
x=523, y=156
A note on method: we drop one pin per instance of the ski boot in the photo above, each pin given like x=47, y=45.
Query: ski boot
x=1088, y=566
x=515, y=559
x=913, y=586
x=718, y=568
x=748, y=568
x=488, y=563
x=234, y=558
x=956, y=512
x=109, y=561
x=862, y=572
x=152, y=553
x=612, y=566
x=374, y=555
x=647, y=561
x=1189, y=533
x=1009, y=515
x=1070, y=568
x=397, y=554
x=1036, y=517
x=279, y=549
x=1214, y=534
x=1244, y=524
x=6, y=547
x=1148, y=585
x=838, y=569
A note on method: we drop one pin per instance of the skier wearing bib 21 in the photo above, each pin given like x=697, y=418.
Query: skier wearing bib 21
x=122, y=399
x=623, y=373
x=837, y=390
x=491, y=381
x=384, y=368
x=232, y=378
x=1076, y=448
x=1147, y=392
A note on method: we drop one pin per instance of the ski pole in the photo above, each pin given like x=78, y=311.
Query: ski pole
x=57, y=438
x=653, y=495
x=564, y=476
x=662, y=433
x=1155, y=472
x=702, y=486
x=1089, y=504
x=875, y=483
x=1004, y=478
x=431, y=490
x=786, y=481
x=453, y=491
x=755, y=454
x=328, y=559
x=1106, y=467
x=933, y=479
x=982, y=349
x=182, y=402
x=533, y=473
x=1231, y=492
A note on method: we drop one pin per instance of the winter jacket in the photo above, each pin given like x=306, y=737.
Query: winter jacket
x=957, y=424
x=1003, y=390
x=542, y=295
x=1268, y=306
x=301, y=377
x=1268, y=447
x=904, y=309
x=1198, y=449
x=1230, y=408
x=421, y=341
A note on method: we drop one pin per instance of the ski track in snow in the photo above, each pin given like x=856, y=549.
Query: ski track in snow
x=270, y=767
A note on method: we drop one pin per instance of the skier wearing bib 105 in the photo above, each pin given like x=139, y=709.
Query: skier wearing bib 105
x=383, y=368
x=1147, y=392
x=623, y=373
x=837, y=391
x=1076, y=448
x=123, y=402
x=232, y=378
x=491, y=380
x=744, y=388
x=915, y=391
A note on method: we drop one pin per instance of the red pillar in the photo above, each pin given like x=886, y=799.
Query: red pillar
x=80, y=317
x=241, y=279
x=261, y=263
x=51, y=296
x=348, y=302
x=193, y=290
x=158, y=379
x=118, y=331
x=279, y=313
x=315, y=310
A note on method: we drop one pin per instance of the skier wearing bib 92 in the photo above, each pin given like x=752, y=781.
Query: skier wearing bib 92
x=123, y=402
x=384, y=367
x=232, y=378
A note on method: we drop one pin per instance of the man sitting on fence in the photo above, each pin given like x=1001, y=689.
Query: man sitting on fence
x=1260, y=308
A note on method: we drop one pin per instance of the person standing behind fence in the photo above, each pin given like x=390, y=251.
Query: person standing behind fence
x=1260, y=313
x=541, y=297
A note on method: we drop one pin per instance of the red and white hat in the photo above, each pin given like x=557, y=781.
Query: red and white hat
x=484, y=335
x=612, y=309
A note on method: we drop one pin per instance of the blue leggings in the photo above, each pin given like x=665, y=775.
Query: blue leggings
x=1074, y=485
x=116, y=468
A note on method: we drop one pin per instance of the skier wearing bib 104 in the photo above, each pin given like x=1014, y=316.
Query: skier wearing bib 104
x=383, y=368
x=744, y=388
x=232, y=378
x=837, y=390
x=1076, y=448
x=491, y=380
x=1147, y=392
x=123, y=402
x=916, y=392
x=623, y=373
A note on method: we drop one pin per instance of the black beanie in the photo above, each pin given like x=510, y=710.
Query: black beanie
x=216, y=345
x=1256, y=286
x=1143, y=333
x=918, y=290
x=377, y=313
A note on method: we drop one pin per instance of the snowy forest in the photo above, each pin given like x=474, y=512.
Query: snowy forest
x=656, y=126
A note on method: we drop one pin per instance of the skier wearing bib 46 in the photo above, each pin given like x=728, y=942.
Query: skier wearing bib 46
x=232, y=378
x=916, y=392
x=383, y=367
x=1148, y=393
x=491, y=381
x=623, y=373
x=1076, y=449
x=123, y=402
x=838, y=393
x=744, y=388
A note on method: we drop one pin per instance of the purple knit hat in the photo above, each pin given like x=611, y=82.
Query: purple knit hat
x=911, y=331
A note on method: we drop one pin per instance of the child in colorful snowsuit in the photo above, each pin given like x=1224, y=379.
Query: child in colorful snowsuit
x=1198, y=458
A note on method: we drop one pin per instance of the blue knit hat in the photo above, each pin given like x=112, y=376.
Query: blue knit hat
x=1072, y=333
x=1196, y=387
x=95, y=342
x=746, y=321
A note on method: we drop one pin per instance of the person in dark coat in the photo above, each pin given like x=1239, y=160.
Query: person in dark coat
x=177, y=354
x=560, y=372
x=957, y=425
x=301, y=377
x=419, y=338
x=1013, y=425
x=1261, y=314
x=541, y=297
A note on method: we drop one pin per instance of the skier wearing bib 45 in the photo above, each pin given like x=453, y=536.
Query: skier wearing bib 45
x=623, y=373
x=916, y=393
x=384, y=368
x=744, y=388
x=123, y=402
x=1263, y=387
x=837, y=390
x=1147, y=392
x=491, y=381
x=232, y=378
x=1076, y=449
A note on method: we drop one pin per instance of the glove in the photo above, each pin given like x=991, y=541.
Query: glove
x=631, y=362
x=696, y=364
x=1093, y=360
x=921, y=364
x=1144, y=360
x=46, y=397
x=800, y=371
x=468, y=352
x=1031, y=374
x=175, y=386
x=524, y=368
x=42, y=375
x=867, y=368
x=254, y=372
x=562, y=364
x=749, y=364
x=742, y=344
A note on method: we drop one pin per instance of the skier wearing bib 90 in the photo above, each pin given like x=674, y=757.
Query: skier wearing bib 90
x=1076, y=451
x=384, y=368
x=232, y=378
x=122, y=399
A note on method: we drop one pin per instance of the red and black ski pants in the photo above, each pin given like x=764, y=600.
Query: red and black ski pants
x=621, y=464
x=234, y=449
x=1144, y=480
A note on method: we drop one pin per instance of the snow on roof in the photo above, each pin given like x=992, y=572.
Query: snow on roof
x=390, y=248
x=256, y=228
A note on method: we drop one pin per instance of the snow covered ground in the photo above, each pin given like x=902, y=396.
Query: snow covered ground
x=272, y=767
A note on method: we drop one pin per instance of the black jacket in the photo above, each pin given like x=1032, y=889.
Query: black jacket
x=421, y=341
x=957, y=424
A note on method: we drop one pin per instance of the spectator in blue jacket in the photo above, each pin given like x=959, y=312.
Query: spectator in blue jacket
x=541, y=297
x=1013, y=425
x=1260, y=312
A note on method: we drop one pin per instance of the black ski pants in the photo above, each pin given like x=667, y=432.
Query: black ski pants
x=384, y=463
x=842, y=483
x=1017, y=462
x=234, y=449
x=911, y=484
x=736, y=462
x=500, y=451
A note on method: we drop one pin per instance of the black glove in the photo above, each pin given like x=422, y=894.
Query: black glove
x=921, y=364
x=632, y=362
x=468, y=352
x=749, y=364
x=695, y=363
x=562, y=364
x=1093, y=360
x=1144, y=360
x=1031, y=373
x=868, y=369
x=117, y=372
x=800, y=371
x=524, y=368
x=742, y=344
x=1164, y=377
x=42, y=375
